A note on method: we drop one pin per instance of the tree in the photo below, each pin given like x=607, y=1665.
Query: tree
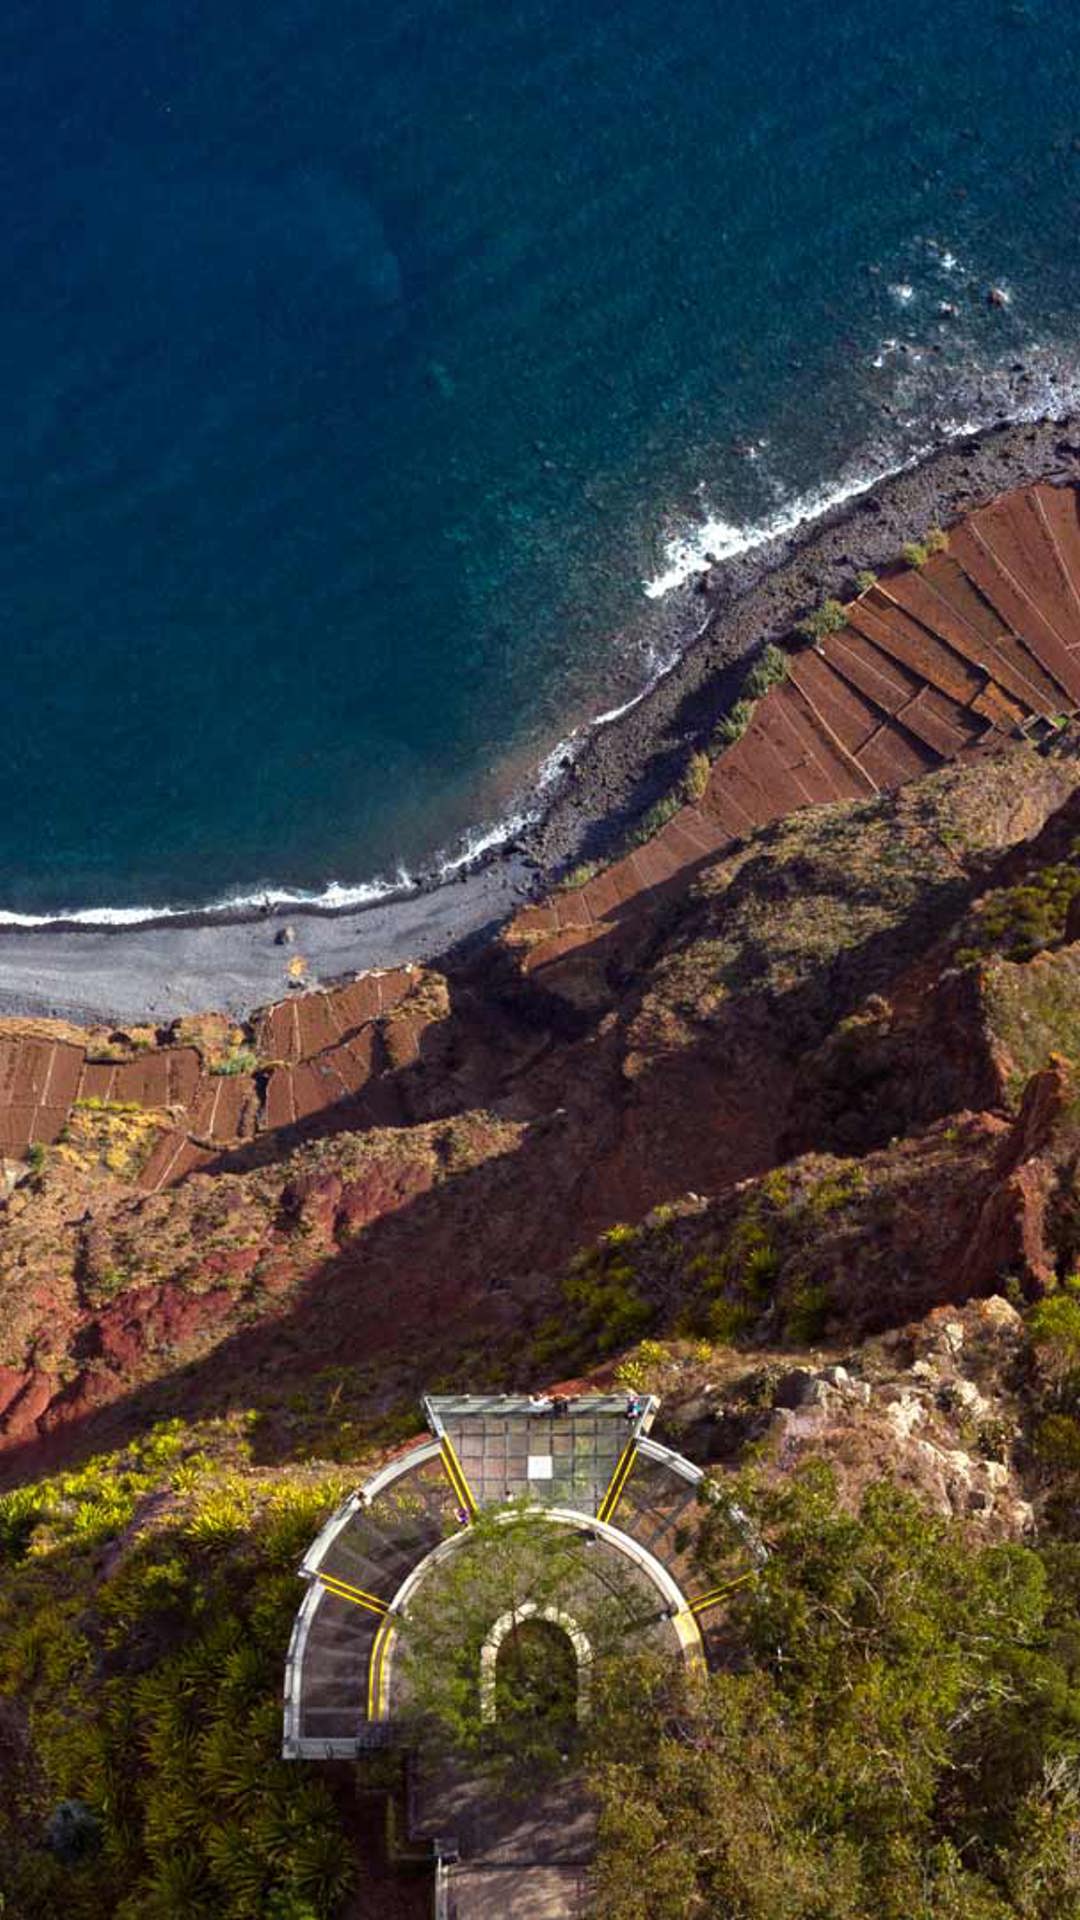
x=895, y=1736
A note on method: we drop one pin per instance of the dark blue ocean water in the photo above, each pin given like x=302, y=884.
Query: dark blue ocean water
x=358, y=363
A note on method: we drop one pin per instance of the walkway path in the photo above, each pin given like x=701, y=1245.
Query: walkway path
x=477, y=1891
x=520, y=1859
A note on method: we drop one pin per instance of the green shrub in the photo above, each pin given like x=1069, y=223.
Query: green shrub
x=608, y=1309
x=640, y=1370
x=727, y=1322
x=828, y=618
x=733, y=725
x=1022, y=921
x=150, y=1679
x=1054, y=1326
x=918, y=552
x=696, y=778
x=659, y=814
x=891, y=1730
x=93, y=1104
x=20, y=1512
x=806, y=1309
x=865, y=579
x=1055, y=1319
x=580, y=875
x=834, y=1191
x=244, y=1060
x=1057, y=1442
x=106, y=1284
x=728, y=1286
x=768, y=670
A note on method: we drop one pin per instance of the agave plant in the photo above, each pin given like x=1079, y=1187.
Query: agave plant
x=240, y=1870
x=231, y=1767
x=321, y=1869
x=180, y=1890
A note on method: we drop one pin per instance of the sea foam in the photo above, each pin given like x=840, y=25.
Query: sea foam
x=1054, y=389
x=333, y=898
x=715, y=539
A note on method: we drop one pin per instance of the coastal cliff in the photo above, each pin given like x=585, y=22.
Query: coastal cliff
x=803, y=994
x=777, y=1115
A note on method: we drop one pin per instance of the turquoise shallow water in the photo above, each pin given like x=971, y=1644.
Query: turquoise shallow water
x=360, y=365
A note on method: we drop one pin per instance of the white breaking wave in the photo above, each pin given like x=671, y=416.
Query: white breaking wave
x=554, y=762
x=692, y=551
x=480, y=840
x=273, y=899
x=717, y=539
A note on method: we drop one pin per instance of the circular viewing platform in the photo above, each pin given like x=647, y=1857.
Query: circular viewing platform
x=586, y=1463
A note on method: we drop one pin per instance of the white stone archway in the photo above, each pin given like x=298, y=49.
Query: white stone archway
x=489, y=1653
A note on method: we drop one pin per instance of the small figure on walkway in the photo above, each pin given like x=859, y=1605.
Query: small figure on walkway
x=540, y=1403
x=633, y=1407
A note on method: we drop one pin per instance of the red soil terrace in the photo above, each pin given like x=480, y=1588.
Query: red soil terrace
x=936, y=662
x=312, y=1051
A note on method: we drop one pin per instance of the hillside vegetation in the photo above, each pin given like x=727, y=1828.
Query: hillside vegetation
x=808, y=1169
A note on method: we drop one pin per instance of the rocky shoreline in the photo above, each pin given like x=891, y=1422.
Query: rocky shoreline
x=162, y=969
x=757, y=597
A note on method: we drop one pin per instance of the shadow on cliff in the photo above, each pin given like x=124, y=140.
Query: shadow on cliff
x=469, y=1266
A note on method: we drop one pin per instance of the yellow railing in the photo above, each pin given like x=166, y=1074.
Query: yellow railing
x=375, y=1669
x=358, y=1595
x=455, y=1473
x=716, y=1594
x=618, y=1481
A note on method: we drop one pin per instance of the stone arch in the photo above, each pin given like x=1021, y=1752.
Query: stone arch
x=507, y=1622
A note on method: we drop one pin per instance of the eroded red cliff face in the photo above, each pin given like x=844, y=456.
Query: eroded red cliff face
x=824, y=1020
x=801, y=998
